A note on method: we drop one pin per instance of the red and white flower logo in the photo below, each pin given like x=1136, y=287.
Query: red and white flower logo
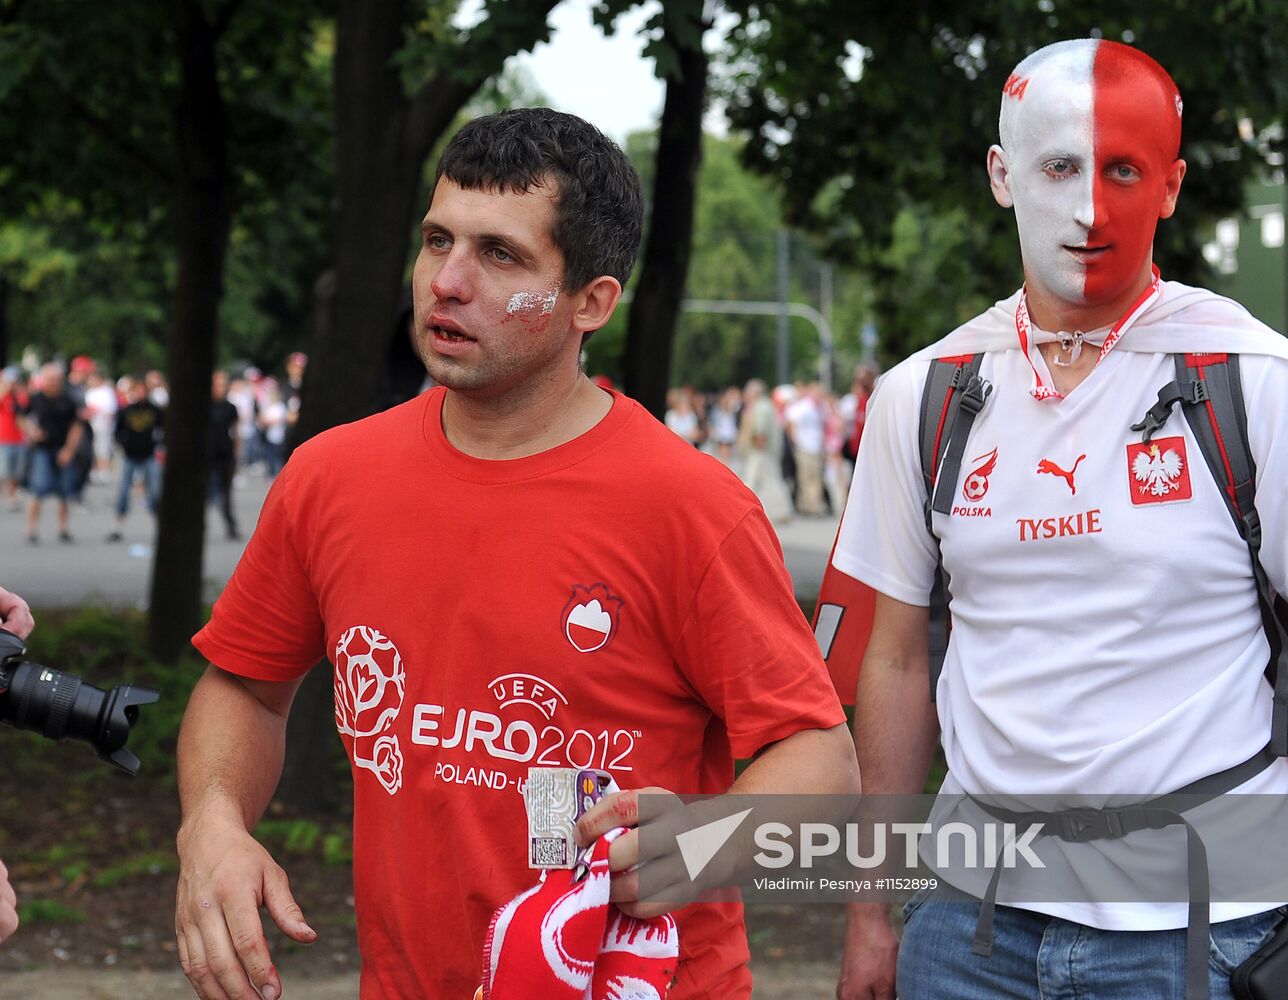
x=369, y=685
x=590, y=617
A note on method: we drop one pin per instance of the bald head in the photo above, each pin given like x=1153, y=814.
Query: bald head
x=1090, y=132
x=1074, y=73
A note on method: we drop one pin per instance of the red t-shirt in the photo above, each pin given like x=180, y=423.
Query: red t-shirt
x=11, y=404
x=619, y=601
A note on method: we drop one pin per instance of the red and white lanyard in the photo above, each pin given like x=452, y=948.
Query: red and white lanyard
x=1043, y=390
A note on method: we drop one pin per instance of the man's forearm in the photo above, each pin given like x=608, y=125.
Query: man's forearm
x=813, y=761
x=231, y=746
x=895, y=726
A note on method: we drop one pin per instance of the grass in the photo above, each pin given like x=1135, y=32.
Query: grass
x=148, y=863
x=49, y=911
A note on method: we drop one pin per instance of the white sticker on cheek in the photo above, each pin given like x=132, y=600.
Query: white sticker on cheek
x=542, y=302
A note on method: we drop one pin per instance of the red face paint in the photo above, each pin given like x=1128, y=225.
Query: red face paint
x=1136, y=118
x=1090, y=132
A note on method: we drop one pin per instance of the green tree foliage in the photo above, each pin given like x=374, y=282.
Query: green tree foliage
x=85, y=97
x=875, y=119
x=71, y=295
x=737, y=219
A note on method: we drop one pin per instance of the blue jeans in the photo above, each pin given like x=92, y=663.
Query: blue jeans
x=1035, y=955
x=47, y=477
x=11, y=460
x=145, y=469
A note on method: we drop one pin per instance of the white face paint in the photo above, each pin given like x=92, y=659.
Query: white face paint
x=1049, y=140
x=542, y=303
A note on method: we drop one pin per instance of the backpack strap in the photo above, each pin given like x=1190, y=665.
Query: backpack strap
x=1220, y=423
x=952, y=396
x=1083, y=825
x=1211, y=396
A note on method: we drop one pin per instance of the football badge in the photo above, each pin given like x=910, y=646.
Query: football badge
x=1158, y=472
x=976, y=484
x=590, y=617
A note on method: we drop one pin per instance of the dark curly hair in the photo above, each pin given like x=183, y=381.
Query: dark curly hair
x=599, y=208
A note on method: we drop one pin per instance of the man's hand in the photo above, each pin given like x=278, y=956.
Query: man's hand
x=15, y=616
x=225, y=876
x=870, y=956
x=8, y=905
x=65, y=455
x=622, y=809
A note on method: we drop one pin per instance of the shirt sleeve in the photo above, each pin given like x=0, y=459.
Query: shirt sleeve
x=747, y=648
x=1266, y=394
x=883, y=540
x=266, y=624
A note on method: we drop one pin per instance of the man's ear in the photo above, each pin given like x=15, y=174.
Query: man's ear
x=595, y=303
x=999, y=176
x=1172, y=189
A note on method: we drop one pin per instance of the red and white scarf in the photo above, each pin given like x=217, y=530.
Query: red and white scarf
x=563, y=940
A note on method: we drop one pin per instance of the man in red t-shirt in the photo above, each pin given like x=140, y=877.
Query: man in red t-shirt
x=516, y=569
x=13, y=442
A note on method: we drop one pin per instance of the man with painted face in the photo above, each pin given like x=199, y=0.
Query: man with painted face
x=515, y=569
x=1105, y=628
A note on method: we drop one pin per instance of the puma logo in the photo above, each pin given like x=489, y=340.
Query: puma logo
x=1046, y=465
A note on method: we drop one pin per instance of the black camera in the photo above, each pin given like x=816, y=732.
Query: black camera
x=61, y=706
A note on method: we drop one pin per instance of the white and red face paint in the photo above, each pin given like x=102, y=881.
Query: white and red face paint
x=1090, y=132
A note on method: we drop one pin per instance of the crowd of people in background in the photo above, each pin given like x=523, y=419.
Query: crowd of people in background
x=64, y=426
x=793, y=446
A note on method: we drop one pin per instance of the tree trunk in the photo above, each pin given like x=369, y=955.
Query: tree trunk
x=655, y=308
x=4, y=322
x=203, y=211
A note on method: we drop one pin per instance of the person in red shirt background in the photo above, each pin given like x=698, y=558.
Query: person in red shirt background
x=13, y=443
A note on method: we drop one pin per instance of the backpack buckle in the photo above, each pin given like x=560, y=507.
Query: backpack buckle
x=976, y=394
x=1195, y=391
x=1156, y=416
x=1250, y=528
x=1078, y=826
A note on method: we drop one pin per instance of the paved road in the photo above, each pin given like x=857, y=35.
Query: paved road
x=56, y=575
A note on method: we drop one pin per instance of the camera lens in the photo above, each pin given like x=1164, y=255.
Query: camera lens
x=60, y=706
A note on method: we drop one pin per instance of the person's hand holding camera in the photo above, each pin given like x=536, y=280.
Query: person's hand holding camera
x=15, y=616
x=8, y=905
